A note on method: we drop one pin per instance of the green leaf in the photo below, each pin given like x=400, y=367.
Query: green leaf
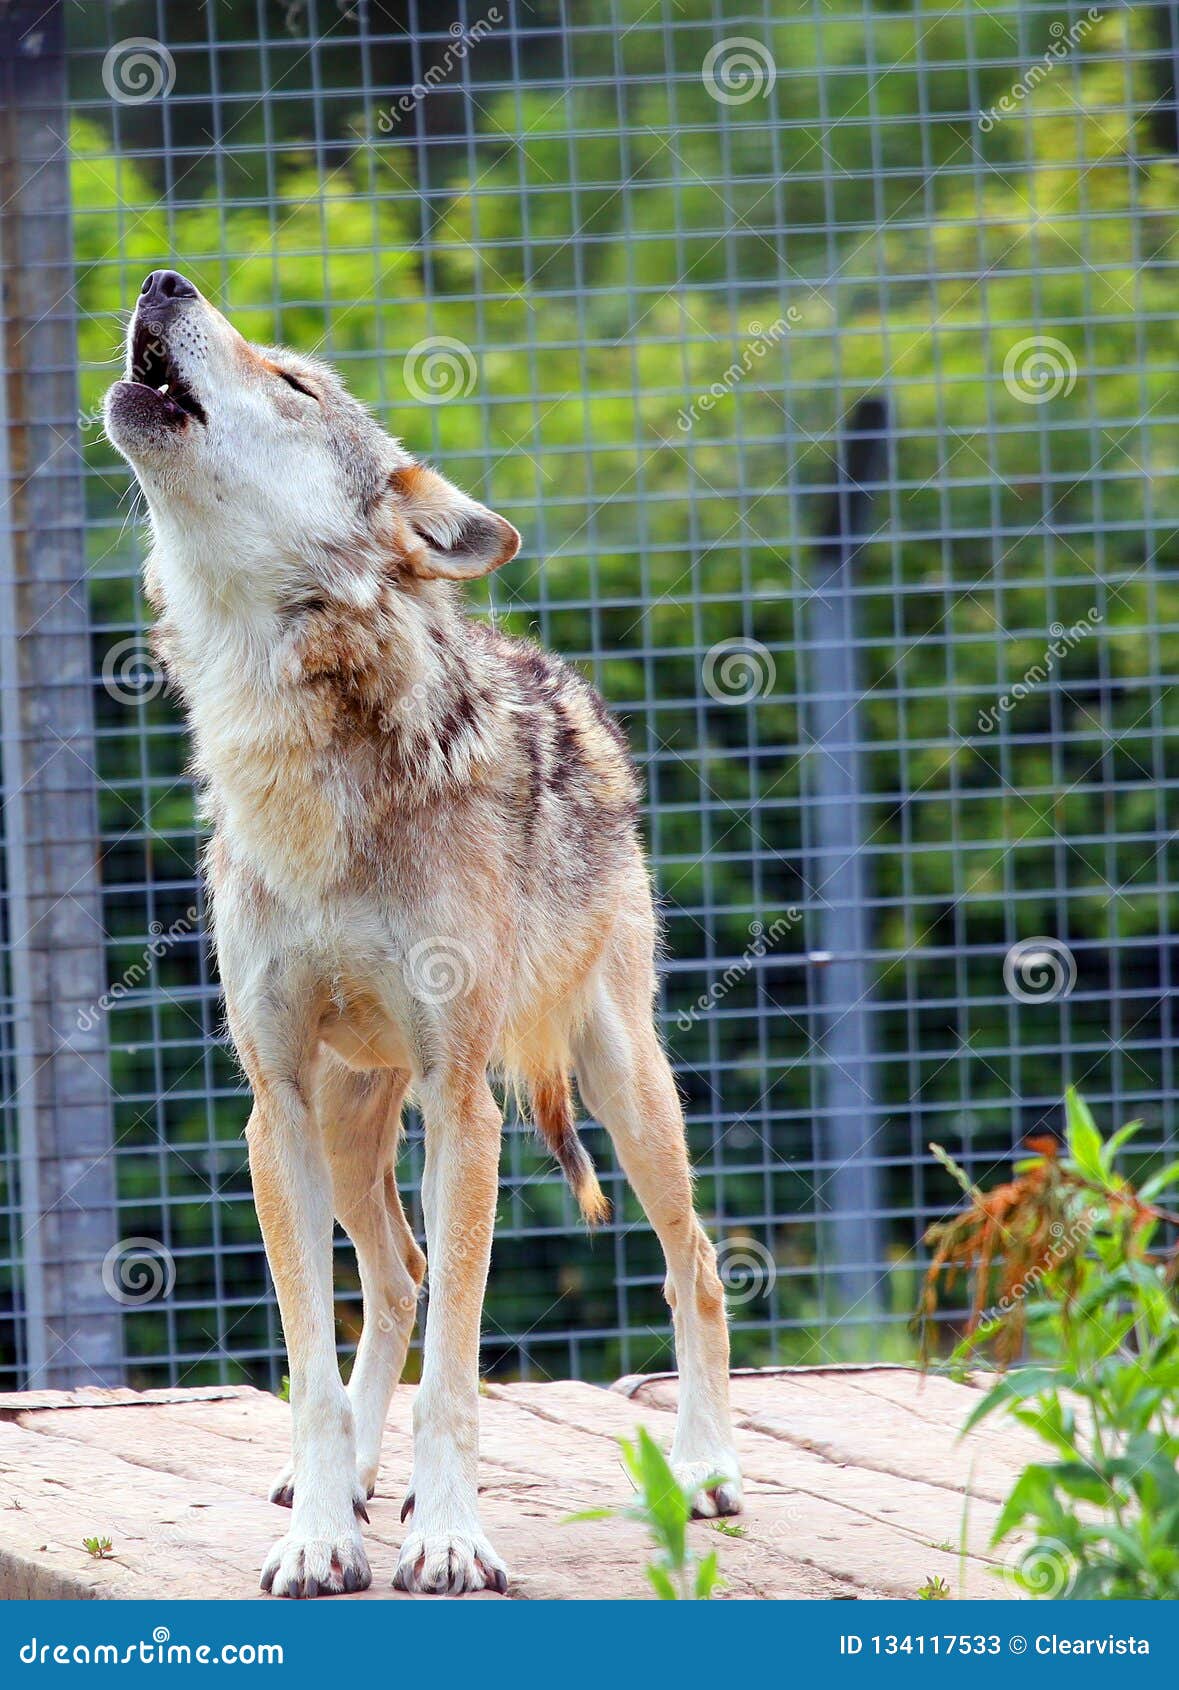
x=1011, y=1388
x=1077, y=1479
x=707, y=1576
x=1116, y=1140
x=1084, y=1140
x=665, y=1507
x=1159, y=1182
x=1052, y=1422
x=661, y=1584
x=1031, y=1495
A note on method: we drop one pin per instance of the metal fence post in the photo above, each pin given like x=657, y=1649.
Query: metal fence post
x=56, y=962
x=839, y=877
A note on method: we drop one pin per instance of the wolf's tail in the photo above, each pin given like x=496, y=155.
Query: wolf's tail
x=552, y=1111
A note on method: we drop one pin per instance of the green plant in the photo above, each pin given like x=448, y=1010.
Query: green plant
x=1070, y=1246
x=665, y=1508
x=934, y=1589
x=100, y=1547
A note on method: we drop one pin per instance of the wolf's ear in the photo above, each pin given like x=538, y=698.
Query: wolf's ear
x=453, y=537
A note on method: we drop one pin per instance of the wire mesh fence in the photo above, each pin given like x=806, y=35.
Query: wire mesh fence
x=825, y=357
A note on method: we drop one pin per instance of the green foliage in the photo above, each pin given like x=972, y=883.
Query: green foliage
x=935, y=1589
x=100, y=1548
x=1102, y=1323
x=677, y=1573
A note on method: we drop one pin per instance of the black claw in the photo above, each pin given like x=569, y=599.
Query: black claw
x=351, y=1582
x=362, y=1511
x=500, y=1581
x=407, y=1507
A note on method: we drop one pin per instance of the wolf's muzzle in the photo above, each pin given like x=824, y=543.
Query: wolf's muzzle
x=165, y=287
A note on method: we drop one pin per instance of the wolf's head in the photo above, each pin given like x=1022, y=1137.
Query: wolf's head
x=261, y=470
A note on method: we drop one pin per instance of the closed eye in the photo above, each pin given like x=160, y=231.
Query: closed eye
x=293, y=381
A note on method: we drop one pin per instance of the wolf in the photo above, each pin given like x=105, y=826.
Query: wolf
x=424, y=869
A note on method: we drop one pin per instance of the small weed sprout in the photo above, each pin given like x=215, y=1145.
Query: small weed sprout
x=677, y=1573
x=934, y=1589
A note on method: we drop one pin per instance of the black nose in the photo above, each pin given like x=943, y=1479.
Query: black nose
x=165, y=287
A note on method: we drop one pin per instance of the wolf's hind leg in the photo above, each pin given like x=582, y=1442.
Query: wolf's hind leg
x=446, y=1551
x=626, y=1081
x=368, y=1206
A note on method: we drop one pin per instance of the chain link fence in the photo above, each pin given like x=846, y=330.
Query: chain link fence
x=825, y=356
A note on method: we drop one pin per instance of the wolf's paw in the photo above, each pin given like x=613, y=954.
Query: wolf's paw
x=714, y=1483
x=313, y=1566
x=448, y=1564
x=282, y=1492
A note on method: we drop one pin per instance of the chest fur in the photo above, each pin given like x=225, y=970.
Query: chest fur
x=276, y=786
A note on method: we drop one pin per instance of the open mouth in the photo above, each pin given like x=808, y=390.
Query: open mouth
x=153, y=367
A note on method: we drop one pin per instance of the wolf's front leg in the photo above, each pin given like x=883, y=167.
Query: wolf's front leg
x=323, y=1553
x=446, y=1551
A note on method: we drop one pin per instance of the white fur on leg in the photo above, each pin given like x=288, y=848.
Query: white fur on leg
x=646, y=1124
x=323, y=1553
x=702, y=1454
x=446, y=1551
x=702, y=1457
x=379, y=1362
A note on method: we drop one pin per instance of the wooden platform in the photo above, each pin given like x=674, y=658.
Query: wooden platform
x=855, y=1487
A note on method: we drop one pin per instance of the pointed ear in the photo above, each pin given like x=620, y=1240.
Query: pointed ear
x=452, y=537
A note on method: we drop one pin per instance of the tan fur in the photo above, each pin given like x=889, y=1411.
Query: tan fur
x=424, y=866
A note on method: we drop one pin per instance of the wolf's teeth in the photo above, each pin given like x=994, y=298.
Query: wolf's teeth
x=162, y=388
